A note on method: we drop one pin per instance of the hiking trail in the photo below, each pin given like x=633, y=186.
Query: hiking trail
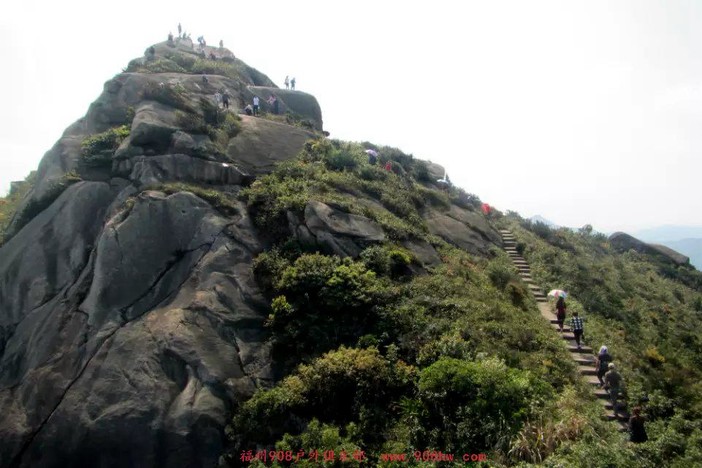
x=584, y=358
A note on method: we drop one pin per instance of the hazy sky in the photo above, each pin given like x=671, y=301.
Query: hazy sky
x=583, y=112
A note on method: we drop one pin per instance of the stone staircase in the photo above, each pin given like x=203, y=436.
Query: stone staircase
x=584, y=357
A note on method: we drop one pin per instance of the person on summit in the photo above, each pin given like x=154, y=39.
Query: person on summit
x=180, y=30
x=602, y=363
x=613, y=384
x=560, y=312
x=287, y=82
x=255, y=105
x=292, y=83
x=576, y=324
x=221, y=44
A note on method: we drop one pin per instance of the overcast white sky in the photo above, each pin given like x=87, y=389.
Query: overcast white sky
x=583, y=112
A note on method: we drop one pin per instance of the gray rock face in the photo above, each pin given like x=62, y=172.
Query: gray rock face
x=145, y=171
x=264, y=143
x=342, y=233
x=130, y=322
x=140, y=351
x=296, y=102
x=464, y=229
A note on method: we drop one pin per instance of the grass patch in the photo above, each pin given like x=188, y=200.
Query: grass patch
x=222, y=202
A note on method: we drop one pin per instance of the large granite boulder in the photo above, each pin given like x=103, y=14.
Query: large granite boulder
x=623, y=242
x=263, y=143
x=465, y=229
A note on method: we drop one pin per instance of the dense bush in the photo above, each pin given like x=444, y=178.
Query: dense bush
x=331, y=299
x=343, y=386
x=469, y=406
x=97, y=150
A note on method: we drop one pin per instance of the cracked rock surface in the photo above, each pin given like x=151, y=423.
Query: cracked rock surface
x=130, y=323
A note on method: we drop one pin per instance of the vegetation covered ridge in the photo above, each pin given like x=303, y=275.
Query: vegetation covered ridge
x=381, y=356
x=648, y=312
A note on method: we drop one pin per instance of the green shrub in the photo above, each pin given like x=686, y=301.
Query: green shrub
x=468, y=405
x=327, y=297
x=341, y=159
x=97, y=150
x=214, y=67
x=173, y=95
x=348, y=385
x=161, y=65
x=185, y=61
x=377, y=259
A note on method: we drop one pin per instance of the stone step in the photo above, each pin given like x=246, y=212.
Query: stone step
x=601, y=393
x=592, y=380
x=568, y=336
x=574, y=349
x=587, y=370
x=565, y=329
x=584, y=361
x=610, y=416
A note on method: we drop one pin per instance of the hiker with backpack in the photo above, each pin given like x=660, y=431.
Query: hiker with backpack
x=225, y=99
x=613, y=384
x=602, y=363
x=560, y=312
x=576, y=324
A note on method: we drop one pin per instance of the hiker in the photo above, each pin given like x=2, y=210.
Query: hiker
x=372, y=156
x=170, y=37
x=444, y=183
x=218, y=99
x=388, y=166
x=292, y=83
x=560, y=312
x=248, y=109
x=637, y=431
x=213, y=56
x=287, y=82
x=613, y=384
x=602, y=363
x=152, y=51
x=273, y=102
x=225, y=100
x=180, y=30
x=221, y=44
x=204, y=79
x=576, y=324
x=255, y=105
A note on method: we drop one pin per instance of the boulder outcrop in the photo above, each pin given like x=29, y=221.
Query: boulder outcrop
x=623, y=242
x=131, y=326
